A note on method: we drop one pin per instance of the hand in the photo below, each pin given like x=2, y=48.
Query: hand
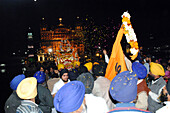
x=104, y=52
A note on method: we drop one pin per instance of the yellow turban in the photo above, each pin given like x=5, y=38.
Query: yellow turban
x=76, y=63
x=95, y=63
x=60, y=66
x=89, y=66
x=156, y=69
x=27, y=88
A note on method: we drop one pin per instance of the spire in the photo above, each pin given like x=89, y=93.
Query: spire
x=60, y=19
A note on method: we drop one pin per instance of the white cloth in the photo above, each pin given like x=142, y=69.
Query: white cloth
x=101, y=89
x=128, y=63
x=139, y=81
x=95, y=104
x=165, y=109
x=57, y=86
x=53, y=110
x=142, y=101
x=106, y=58
x=147, y=66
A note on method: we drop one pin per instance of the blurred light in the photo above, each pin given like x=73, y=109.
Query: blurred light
x=2, y=65
x=78, y=17
x=85, y=56
x=60, y=19
x=31, y=55
x=24, y=69
x=13, y=53
x=100, y=56
x=2, y=70
x=35, y=0
x=50, y=50
x=25, y=52
x=97, y=54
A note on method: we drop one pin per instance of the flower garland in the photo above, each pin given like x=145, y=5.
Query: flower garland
x=130, y=35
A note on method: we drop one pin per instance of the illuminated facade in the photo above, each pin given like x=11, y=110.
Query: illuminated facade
x=51, y=40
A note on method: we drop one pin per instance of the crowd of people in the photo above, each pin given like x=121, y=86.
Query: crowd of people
x=47, y=88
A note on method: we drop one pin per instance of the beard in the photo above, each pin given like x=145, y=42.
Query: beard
x=65, y=80
x=150, y=77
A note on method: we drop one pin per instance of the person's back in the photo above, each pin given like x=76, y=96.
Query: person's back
x=127, y=108
x=12, y=103
x=123, y=89
x=101, y=89
x=51, y=83
x=95, y=104
x=45, y=98
x=27, y=90
x=142, y=88
x=28, y=106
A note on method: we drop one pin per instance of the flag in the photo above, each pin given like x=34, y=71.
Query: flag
x=116, y=62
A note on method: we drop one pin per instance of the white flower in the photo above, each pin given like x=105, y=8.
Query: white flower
x=126, y=14
x=134, y=51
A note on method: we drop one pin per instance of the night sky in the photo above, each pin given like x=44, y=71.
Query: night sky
x=150, y=18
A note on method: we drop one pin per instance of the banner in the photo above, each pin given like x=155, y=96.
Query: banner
x=116, y=62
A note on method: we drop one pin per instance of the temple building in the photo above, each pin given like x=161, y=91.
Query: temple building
x=60, y=43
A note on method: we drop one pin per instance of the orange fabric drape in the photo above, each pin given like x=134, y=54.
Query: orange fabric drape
x=116, y=62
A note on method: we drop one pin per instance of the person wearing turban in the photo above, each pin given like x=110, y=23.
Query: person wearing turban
x=44, y=98
x=70, y=98
x=123, y=89
x=156, y=86
x=76, y=65
x=64, y=78
x=102, y=84
x=94, y=104
x=13, y=101
x=82, y=69
x=89, y=66
x=142, y=88
x=27, y=90
x=60, y=67
x=73, y=74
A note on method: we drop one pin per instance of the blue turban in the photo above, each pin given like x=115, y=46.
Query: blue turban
x=139, y=69
x=40, y=76
x=16, y=80
x=69, y=97
x=123, y=87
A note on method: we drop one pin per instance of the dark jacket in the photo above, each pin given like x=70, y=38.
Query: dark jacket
x=45, y=99
x=12, y=103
